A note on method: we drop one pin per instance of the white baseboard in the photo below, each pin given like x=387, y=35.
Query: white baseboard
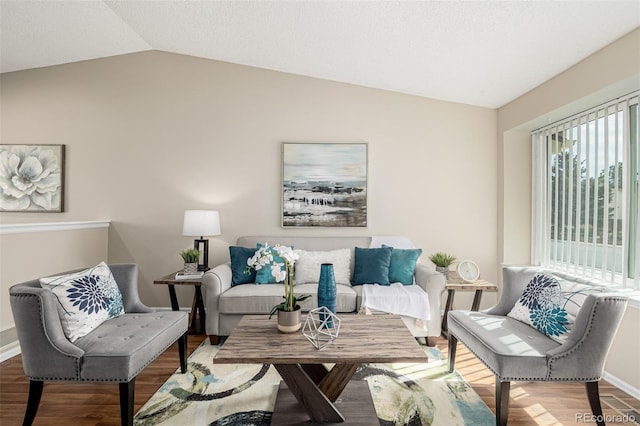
x=622, y=385
x=9, y=351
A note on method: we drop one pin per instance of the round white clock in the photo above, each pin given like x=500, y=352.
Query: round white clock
x=468, y=271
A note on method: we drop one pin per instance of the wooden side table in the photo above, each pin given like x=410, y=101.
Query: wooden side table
x=198, y=303
x=457, y=284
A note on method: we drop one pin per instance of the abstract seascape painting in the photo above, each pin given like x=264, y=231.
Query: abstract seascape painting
x=32, y=178
x=324, y=184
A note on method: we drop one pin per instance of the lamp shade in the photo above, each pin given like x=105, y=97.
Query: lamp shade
x=200, y=223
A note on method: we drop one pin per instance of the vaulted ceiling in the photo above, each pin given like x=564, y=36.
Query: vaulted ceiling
x=484, y=53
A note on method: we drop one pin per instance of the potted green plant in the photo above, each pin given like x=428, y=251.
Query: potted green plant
x=289, y=311
x=190, y=257
x=442, y=262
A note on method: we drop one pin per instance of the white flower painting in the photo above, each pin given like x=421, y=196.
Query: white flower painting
x=31, y=178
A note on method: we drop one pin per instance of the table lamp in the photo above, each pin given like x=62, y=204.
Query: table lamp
x=201, y=223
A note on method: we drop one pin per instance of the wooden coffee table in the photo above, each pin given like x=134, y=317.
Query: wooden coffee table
x=318, y=389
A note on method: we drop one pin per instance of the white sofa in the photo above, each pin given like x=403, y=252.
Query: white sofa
x=226, y=304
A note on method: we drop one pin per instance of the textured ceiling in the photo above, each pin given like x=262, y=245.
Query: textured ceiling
x=483, y=53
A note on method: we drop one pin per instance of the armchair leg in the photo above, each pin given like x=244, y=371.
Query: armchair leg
x=593, y=393
x=214, y=340
x=182, y=349
x=502, y=402
x=453, y=345
x=35, y=393
x=127, y=391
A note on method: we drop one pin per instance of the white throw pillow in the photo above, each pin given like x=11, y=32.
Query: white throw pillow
x=85, y=299
x=551, y=305
x=307, y=267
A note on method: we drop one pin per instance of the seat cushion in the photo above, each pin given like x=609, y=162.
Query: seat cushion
x=121, y=347
x=260, y=299
x=509, y=348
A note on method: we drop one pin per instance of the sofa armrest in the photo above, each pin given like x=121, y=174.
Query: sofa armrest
x=215, y=282
x=434, y=284
x=584, y=353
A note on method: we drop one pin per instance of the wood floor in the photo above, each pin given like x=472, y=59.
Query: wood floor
x=98, y=404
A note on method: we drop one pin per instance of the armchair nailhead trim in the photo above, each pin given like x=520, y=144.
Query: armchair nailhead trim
x=40, y=311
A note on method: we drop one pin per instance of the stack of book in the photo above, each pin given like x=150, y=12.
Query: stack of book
x=196, y=276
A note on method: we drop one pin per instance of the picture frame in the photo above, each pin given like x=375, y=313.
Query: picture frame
x=32, y=178
x=324, y=184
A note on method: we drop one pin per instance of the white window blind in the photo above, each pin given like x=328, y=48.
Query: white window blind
x=585, y=190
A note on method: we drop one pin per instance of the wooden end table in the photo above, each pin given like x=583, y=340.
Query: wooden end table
x=197, y=306
x=312, y=390
x=457, y=284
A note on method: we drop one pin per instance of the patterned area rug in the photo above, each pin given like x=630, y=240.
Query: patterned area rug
x=245, y=394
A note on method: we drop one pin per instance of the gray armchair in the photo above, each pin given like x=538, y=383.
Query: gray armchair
x=117, y=351
x=513, y=350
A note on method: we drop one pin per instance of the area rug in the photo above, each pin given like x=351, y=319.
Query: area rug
x=245, y=394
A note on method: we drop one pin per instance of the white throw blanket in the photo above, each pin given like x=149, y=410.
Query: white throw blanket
x=398, y=299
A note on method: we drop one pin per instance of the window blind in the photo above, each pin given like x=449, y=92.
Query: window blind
x=585, y=190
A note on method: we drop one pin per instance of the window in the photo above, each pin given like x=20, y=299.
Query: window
x=586, y=194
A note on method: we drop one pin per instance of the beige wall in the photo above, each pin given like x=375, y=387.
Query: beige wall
x=24, y=256
x=611, y=72
x=151, y=134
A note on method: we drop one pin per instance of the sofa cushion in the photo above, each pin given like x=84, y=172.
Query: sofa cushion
x=307, y=267
x=260, y=299
x=402, y=265
x=85, y=299
x=372, y=266
x=511, y=349
x=241, y=273
x=121, y=347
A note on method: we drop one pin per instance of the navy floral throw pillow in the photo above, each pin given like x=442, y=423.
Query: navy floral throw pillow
x=85, y=299
x=541, y=306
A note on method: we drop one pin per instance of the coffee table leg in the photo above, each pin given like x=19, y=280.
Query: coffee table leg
x=316, y=372
x=336, y=380
x=315, y=403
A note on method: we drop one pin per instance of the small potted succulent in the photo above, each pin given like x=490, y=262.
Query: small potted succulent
x=442, y=262
x=190, y=257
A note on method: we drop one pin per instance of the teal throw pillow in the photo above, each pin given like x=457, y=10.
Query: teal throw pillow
x=371, y=266
x=264, y=276
x=240, y=272
x=403, y=265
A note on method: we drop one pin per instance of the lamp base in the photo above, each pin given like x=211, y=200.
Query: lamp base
x=204, y=265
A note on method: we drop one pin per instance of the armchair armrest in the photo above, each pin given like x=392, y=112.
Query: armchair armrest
x=583, y=355
x=126, y=276
x=46, y=352
x=514, y=281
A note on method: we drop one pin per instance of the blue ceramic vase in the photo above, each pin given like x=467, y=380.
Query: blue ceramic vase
x=327, y=288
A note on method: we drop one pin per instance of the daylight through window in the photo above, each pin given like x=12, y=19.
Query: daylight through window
x=586, y=194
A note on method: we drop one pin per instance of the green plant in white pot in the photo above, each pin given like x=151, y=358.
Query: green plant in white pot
x=190, y=257
x=442, y=262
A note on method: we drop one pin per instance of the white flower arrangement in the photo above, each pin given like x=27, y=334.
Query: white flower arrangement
x=264, y=257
